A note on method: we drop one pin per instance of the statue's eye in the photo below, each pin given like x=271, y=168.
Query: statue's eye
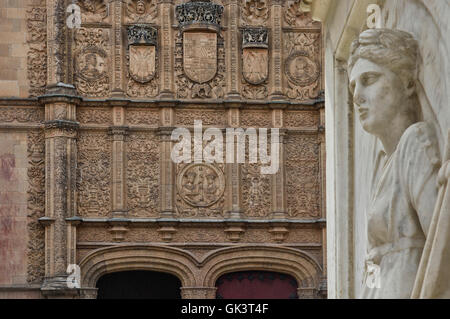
x=369, y=78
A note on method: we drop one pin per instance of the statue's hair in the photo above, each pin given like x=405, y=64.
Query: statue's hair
x=395, y=49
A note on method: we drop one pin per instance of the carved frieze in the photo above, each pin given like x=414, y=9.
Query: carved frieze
x=141, y=11
x=187, y=116
x=301, y=119
x=302, y=66
x=200, y=190
x=255, y=118
x=255, y=12
x=92, y=75
x=94, y=11
x=94, y=174
x=94, y=116
x=36, y=207
x=21, y=115
x=37, y=53
x=142, y=117
x=143, y=175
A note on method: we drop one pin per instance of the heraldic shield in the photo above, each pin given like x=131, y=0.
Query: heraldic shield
x=142, y=62
x=255, y=66
x=200, y=56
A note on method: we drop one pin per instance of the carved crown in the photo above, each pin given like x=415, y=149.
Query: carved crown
x=255, y=37
x=202, y=14
x=142, y=34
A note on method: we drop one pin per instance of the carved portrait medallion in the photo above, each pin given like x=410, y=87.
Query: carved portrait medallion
x=91, y=64
x=200, y=185
x=300, y=69
x=200, y=56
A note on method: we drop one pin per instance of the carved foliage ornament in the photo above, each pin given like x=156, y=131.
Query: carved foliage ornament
x=298, y=13
x=141, y=11
x=199, y=13
x=142, y=41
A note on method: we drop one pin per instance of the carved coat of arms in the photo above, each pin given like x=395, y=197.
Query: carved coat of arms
x=200, y=56
x=255, y=55
x=142, y=52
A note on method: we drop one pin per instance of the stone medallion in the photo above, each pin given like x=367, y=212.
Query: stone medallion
x=300, y=69
x=200, y=185
x=91, y=64
x=200, y=55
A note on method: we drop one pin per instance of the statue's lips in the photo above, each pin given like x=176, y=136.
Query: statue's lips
x=363, y=113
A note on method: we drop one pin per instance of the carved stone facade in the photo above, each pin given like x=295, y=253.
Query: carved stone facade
x=103, y=101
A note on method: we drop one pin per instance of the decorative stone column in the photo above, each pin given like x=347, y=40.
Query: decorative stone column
x=167, y=173
x=167, y=54
x=118, y=52
x=198, y=292
x=60, y=219
x=232, y=43
x=277, y=51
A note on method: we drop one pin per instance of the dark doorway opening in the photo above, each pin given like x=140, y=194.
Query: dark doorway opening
x=138, y=285
x=256, y=285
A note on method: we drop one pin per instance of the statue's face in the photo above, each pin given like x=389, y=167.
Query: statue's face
x=378, y=95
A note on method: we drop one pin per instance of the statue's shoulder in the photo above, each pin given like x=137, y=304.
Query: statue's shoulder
x=420, y=138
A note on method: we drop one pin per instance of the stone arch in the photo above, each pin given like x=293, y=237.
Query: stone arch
x=303, y=267
x=165, y=259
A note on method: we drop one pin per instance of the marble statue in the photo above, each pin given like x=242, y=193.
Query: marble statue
x=383, y=68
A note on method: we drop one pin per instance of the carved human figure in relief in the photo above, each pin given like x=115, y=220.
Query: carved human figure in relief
x=382, y=75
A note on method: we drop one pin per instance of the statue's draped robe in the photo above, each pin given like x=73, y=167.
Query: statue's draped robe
x=400, y=213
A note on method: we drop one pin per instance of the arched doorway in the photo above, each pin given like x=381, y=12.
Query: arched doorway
x=256, y=285
x=138, y=285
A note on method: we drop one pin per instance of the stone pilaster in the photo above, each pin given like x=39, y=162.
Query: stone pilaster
x=232, y=54
x=56, y=40
x=167, y=165
x=117, y=63
x=60, y=219
x=233, y=172
x=167, y=47
x=279, y=200
x=277, y=51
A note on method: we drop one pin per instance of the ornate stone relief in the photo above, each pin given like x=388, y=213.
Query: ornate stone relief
x=143, y=175
x=94, y=116
x=94, y=11
x=199, y=53
x=142, y=117
x=187, y=116
x=255, y=12
x=141, y=11
x=255, y=63
x=36, y=207
x=200, y=190
x=142, y=60
x=297, y=13
x=302, y=164
x=301, y=67
x=94, y=174
x=255, y=118
x=301, y=119
x=256, y=191
x=21, y=115
x=37, y=53
x=92, y=77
